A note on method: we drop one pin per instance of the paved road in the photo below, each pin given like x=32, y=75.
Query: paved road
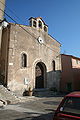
x=34, y=108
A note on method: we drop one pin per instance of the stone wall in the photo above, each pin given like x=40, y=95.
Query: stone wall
x=26, y=41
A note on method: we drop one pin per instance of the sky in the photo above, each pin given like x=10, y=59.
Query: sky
x=61, y=16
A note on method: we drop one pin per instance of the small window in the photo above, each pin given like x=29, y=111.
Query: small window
x=40, y=24
x=24, y=60
x=53, y=65
x=76, y=61
x=69, y=86
x=45, y=28
x=34, y=23
x=30, y=23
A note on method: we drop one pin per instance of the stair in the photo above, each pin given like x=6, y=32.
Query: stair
x=7, y=96
x=44, y=93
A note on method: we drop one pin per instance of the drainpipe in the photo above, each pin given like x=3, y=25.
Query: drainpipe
x=2, y=7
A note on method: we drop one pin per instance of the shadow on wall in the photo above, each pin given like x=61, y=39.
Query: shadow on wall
x=76, y=78
x=53, y=79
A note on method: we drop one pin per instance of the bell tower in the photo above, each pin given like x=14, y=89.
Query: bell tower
x=39, y=24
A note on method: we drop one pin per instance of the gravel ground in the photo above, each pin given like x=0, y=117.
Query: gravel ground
x=33, y=108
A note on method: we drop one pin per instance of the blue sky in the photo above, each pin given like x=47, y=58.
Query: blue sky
x=61, y=16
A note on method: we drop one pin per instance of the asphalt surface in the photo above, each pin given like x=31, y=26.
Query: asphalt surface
x=35, y=108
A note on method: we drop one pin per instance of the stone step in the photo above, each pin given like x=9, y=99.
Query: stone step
x=44, y=93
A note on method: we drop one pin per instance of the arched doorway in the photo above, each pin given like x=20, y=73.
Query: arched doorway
x=40, y=75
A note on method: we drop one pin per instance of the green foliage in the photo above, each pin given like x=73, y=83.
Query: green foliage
x=54, y=89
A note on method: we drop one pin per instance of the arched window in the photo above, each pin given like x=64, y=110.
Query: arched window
x=30, y=23
x=53, y=65
x=40, y=24
x=45, y=28
x=24, y=60
x=34, y=23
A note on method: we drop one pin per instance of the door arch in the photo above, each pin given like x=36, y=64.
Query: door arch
x=40, y=75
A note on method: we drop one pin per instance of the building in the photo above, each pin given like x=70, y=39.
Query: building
x=70, y=75
x=2, y=6
x=29, y=56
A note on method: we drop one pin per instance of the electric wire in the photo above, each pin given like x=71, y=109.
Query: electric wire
x=12, y=12
x=26, y=30
x=19, y=24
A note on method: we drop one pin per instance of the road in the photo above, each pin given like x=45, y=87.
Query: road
x=35, y=108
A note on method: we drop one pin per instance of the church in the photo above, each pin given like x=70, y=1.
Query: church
x=30, y=57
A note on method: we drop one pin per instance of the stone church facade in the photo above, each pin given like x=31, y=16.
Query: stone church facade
x=29, y=56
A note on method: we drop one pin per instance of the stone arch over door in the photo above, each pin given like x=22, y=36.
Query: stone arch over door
x=40, y=75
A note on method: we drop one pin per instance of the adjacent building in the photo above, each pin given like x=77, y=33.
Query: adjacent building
x=70, y=74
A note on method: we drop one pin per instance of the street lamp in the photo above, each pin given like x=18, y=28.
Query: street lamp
x=3, y=24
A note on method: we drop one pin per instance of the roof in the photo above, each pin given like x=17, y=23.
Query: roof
x=29, y=26
x=74, y=94
x=55, y=39
x=71, y=56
